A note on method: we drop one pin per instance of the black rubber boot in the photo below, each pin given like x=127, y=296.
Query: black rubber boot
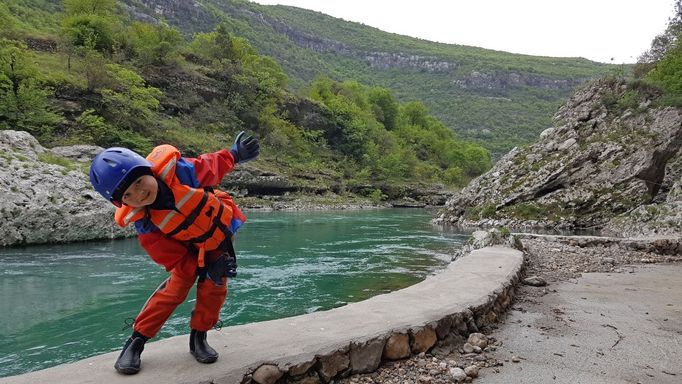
x=128, y=362
x=200, y=349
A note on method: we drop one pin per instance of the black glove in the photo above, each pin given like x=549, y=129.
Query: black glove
x=246, y=150
x=224, y=266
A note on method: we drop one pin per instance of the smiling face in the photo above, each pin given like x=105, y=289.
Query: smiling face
x=141, y=192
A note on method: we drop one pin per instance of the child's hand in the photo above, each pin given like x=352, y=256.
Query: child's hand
x=225, y=266
x=246, y=150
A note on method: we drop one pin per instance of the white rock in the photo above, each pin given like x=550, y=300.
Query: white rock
x=457, y=374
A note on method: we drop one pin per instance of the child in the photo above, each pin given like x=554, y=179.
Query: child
x=184, y=225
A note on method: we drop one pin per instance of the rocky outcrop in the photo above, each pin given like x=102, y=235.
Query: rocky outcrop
x=47, y=198
x=505, y=80
x=387, y=60
x=608, y=153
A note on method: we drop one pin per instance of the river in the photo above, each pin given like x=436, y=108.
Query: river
x=62, y=303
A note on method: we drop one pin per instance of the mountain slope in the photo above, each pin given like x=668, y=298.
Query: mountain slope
x=612, y=159
x=498, y=99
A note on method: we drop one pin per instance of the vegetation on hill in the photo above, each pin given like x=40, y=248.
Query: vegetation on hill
x=498, y=99
x=92, y=75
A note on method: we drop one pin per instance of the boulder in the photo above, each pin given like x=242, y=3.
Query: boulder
x=47, y=198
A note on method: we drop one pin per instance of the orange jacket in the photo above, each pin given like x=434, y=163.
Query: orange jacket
x=200, y=218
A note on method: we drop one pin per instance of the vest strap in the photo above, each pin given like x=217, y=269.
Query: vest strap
x=191, y=217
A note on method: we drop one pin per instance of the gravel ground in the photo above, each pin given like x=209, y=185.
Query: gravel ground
x=547, y=262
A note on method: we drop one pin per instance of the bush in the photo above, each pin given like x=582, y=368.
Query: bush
x=89, y=31
x=23, y=98
x=668, y=71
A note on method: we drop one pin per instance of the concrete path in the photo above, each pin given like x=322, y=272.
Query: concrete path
x=471, y=281
x=601, y=328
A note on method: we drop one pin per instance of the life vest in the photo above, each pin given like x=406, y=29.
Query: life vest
x=202, y=218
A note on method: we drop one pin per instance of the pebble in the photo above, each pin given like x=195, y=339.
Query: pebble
x=534, y=281
x=471, y=371
x=457, y=374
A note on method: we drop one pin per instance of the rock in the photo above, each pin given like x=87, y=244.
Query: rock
x=82, y=153
x=300, y=369
x=312, y=379
x=397, y=347
x=330, y=366
x=478, y=340
x=608, y=260
x=534, y=281
x=515, y=359
x=366, y=357
x=471, y=371
x=468, y=348
x=48, y=203
x=593, y=164
x=423, y=340
x=457, y=374
x=267, y=374
x=443, y=327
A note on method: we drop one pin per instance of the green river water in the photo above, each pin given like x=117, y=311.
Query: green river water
x=62, y=303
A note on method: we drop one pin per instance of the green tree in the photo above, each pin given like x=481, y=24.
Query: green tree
x=7, y=21
x=154, y=44
x=89, y=31
x=129, y=103
x=92, y=24
x=415, y=113
x=23, y=99
x=90, y=7
x=220, y=47
x=385, y=106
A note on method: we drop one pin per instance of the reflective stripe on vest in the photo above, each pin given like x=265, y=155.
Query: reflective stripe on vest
x=172, y=214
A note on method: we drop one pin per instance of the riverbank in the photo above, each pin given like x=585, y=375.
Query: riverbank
x=43, y=186
x=549, y=265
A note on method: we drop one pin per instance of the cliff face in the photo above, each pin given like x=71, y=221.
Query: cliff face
x=609, y=161
x=48, y=203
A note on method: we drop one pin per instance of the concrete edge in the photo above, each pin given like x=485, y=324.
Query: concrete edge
x=471, y=293
x=662, y=245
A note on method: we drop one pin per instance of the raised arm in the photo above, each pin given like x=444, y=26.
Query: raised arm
x=206, y=170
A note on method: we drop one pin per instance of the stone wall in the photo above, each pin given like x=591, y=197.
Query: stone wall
x=397, y=345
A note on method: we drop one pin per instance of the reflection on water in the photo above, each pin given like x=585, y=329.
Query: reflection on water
x=62, y=303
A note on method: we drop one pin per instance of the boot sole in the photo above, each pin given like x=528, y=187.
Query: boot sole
x=207, y=360
x=127, y=370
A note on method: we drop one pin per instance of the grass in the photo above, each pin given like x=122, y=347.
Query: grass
x=51, y=158
x=55, y=67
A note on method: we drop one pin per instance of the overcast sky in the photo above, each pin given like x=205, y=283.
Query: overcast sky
x=598, y=30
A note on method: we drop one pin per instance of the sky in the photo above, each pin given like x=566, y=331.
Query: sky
x=607, y=31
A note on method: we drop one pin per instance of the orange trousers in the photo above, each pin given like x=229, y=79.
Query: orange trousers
x=171, y=293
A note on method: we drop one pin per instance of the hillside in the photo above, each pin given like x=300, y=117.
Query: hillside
x=611, y=162
x=84, y=72
x=499, y=99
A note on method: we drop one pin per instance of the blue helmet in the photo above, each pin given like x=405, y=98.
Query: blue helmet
x=115, y=168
